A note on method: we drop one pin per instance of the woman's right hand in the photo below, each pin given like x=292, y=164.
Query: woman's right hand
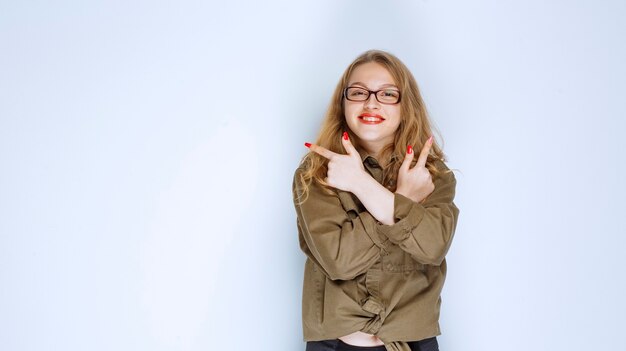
x=415, y=183
x=345, y=172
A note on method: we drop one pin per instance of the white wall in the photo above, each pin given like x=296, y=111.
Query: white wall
x=147, y=205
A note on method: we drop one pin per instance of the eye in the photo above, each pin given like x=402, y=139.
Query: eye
x=391, y=93
x=356, y=92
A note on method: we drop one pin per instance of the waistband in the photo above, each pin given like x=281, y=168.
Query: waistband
x=429, y=344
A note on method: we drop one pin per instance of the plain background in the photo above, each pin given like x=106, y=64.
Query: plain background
x=147, y=150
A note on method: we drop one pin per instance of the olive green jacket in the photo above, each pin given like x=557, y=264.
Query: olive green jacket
x=361, y=275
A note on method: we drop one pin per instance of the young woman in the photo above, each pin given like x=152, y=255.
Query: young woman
x=374, y=220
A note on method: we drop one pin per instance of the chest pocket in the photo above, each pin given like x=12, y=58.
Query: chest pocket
x=398, y=261
x=351, y=205
x=354, y=208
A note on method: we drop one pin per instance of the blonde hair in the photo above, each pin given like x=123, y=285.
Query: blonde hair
x=414, y=129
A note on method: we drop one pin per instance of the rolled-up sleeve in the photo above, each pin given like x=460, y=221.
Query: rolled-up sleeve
x=337, y=239
x=425, y=231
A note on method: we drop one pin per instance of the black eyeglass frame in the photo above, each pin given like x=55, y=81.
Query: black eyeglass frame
x=370, y=92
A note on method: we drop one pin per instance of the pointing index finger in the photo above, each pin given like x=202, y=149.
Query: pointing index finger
x=322, y=151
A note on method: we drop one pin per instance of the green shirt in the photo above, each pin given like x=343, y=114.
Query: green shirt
x=361, y=275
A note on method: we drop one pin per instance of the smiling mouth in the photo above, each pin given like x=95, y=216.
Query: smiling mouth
x=371, y=119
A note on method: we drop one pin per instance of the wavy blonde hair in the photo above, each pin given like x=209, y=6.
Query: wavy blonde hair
x=414, y=129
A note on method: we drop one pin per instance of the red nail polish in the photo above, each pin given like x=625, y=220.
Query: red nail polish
x=409, y=149
x=345, y=135
x=307, y=144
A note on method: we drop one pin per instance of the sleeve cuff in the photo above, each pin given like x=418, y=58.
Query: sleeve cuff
x=407, y=214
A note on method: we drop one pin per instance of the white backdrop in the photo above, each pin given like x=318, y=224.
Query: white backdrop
x=147, y=151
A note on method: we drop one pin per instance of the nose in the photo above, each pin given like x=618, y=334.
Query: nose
x=372, y=103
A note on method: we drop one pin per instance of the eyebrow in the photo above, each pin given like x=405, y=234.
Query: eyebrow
x=382, y=86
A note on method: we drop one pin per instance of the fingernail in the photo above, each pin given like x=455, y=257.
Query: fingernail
x=430, y=140
x=345, y=135
x=307, y=144
x=409, y=149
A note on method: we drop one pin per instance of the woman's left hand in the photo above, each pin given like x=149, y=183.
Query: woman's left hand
x=416, y=183
x=344, y=171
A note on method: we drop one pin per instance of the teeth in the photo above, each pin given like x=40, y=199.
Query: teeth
x=371, y=119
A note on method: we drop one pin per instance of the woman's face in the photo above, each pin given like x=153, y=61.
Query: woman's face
x=373, y=122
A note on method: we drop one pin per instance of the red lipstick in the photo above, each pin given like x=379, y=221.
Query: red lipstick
x=371, y=118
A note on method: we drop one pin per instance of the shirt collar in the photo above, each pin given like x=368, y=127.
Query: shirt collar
x=364, y=156
x=368, y=158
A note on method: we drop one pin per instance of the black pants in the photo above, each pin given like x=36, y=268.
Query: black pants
x=429, y=344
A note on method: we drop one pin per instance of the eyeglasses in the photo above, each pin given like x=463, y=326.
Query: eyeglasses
x=384, y=96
